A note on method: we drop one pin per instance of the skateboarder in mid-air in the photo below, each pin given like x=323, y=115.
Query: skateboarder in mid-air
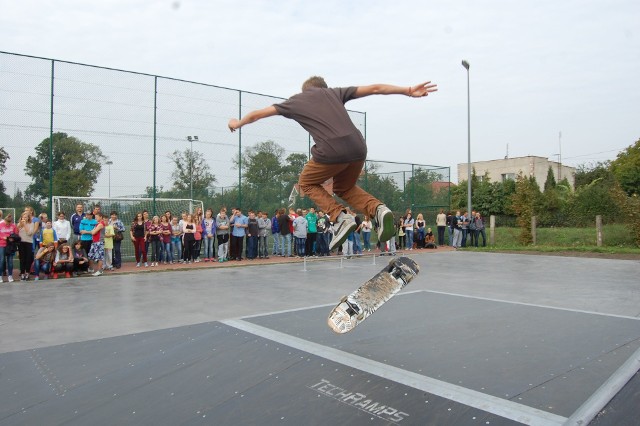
x=339, y=152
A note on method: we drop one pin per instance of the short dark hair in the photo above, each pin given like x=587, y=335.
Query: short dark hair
x=315, y=81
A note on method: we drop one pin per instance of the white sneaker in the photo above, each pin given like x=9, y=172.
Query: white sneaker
x=384, y=223
x=345, y=224
x=97, y=273
x=10, y=278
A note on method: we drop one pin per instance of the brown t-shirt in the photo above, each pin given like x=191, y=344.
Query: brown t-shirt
x=321, y=112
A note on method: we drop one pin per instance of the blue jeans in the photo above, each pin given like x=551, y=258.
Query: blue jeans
x=2, y=261
x=409, y=237
x=176, y=248
x=285, y=239
x=322, y=244
x=357, y=248
x=252, y=247
x=44, y=267
x=276, y=244
x=263, y=249
x=465, y=232
x=9, y=262
x=366, y=236
x=482, y=232
x=166, y=252
x=209, y=252
x=300, y=245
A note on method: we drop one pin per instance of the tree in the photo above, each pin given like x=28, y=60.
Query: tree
x=587, y=173
x=190, y=165
x=525, y=204
x=626, y=169
x=261, y=163
x=550, y=183
x=76, y=167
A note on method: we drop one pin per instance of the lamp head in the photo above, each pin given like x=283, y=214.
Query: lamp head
x=465, y=64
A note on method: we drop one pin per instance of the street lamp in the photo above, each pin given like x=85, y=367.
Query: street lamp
x=191, y=139
x=109, y=163
x=465, y=64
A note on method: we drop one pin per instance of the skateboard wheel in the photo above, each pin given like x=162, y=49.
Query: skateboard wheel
x=360, y=316
x=344, y=299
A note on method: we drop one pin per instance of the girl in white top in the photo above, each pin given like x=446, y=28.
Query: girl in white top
x=62, y=227
x=366, y=232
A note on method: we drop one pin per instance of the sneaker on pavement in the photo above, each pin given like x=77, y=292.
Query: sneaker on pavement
x=384, y=223
x=345, y=224
x=97, y=273
x=10, y=278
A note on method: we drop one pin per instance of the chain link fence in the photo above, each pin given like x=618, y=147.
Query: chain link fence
x=106, y=133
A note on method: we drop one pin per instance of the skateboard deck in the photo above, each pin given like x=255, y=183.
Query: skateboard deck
x=356, y=307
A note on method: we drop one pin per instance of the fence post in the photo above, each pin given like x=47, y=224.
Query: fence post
x=599, y=231
x=492, y=230
x=533, y=230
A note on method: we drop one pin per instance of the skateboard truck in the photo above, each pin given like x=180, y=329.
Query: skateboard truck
x=352, y=308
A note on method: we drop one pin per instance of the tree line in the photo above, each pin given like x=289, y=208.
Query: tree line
x=609, y=188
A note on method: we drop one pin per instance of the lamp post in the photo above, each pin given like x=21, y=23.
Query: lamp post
x=465, y=64
x=109, y=163
x=191, y=139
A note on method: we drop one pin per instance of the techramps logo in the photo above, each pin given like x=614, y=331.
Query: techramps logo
x=359, y=401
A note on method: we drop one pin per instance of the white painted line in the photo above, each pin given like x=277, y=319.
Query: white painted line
x=533, y=305
x=605, y=393
x=491, y=404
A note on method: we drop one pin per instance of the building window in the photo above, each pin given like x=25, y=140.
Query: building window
x=508, y=176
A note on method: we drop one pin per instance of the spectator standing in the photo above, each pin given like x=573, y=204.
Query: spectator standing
x=401, y=234
x=441, y=224
x=300, y=234
x=264, y=225
x=62, y=227
x=275, y=233
x=456, y=228
x=165, y=239
x=222, y=234
x=421, y=230
x=118, y=229
x=366, y=232
x=189, y=231
x=76, y=218
x=239, y=224
x=480, y=230
x=7, y=250
x=322, y=236
x=252, y=235
x=284, y=222
x=312, y=229
x=154, y=235
x=138, y=234
x=86, y=226
x=109, y=233
x=208, y=235
x=176, y=241
x=96, y=253
x=408, y=224
x=25, y=247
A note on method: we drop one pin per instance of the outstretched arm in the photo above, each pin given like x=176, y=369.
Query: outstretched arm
x=417, y=91
x=251, y=117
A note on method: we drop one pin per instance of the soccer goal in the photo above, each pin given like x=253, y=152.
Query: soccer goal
x=9, y=210
x=126, y=209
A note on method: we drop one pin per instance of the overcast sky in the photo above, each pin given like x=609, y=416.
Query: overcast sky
x=537, y=67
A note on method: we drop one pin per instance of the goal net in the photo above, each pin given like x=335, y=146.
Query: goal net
x=9, y=210
x=126, y=209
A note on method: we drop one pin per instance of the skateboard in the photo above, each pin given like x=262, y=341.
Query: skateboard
x=356, y=307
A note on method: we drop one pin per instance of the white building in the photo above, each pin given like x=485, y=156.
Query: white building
x=509, y=168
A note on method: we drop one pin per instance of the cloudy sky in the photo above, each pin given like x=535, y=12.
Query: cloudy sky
x=537, y=67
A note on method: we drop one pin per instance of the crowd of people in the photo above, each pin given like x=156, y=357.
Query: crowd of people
x=90, y=241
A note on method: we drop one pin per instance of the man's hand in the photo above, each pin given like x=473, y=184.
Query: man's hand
x=234, y=124
x=422, y=89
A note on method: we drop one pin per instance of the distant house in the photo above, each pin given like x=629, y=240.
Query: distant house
x=509, y=168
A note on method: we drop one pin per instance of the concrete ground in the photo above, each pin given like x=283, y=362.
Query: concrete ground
x=64, y=311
